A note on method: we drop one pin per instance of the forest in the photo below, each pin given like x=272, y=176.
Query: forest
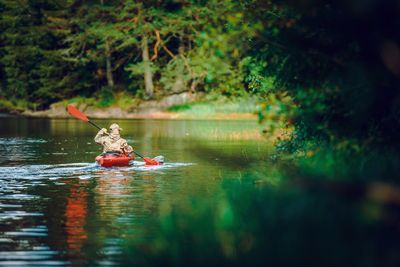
x=329, y=70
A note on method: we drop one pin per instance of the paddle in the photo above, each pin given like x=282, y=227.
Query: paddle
x=81, y=116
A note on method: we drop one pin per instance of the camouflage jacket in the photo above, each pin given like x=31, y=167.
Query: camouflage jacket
x=112, y=143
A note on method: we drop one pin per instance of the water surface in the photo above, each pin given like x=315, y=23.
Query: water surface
x=57, y=207
x=222, y=199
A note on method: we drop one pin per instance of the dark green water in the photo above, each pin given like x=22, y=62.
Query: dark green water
x=220, y=200
x=58, y=207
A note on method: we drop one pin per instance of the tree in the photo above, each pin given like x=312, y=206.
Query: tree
x=94, y=39
x=338, y=60
x=144, y=22
x=29, y=51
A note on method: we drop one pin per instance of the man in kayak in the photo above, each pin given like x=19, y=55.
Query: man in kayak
x=112, y=142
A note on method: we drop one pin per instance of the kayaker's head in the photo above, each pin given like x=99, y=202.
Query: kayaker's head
x=115, y=129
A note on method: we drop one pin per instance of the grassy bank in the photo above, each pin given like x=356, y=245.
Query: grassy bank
x=218, y=106
x=123, y=105
x=14, y=105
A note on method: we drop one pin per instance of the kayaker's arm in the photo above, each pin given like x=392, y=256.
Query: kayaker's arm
x=100, y=136
x=127, y=149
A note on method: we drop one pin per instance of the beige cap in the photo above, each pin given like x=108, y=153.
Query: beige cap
x=115, y=126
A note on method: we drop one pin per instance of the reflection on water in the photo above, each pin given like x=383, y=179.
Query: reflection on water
x=219, y=200
x=75, y=218
x=58, y=207
x=23, y=232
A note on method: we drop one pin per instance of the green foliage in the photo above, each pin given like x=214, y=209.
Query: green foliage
x=15, y=104
x=125, y=100
x=106, y=97
x=218, y=106
x=174, y=70
x=276, y=115
x=255, y=77
x=136, y=70
x=335, y=71
x=79, y=100
x=6, y=105
x=32, y=65
x=193, y=46
x=179, y=108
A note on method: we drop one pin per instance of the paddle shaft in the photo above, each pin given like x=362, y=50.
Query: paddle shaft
x=94, y=124
x=98, y=127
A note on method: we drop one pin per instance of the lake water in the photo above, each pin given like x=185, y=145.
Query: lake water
x=58, y=207
x=220, y=200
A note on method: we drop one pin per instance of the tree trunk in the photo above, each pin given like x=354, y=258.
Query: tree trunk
x=179, y=85
x=148, y=78
x=110, y=79
x=109, y=75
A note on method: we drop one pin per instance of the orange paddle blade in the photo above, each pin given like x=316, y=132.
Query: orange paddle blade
x=76, y=113
x=151, y=161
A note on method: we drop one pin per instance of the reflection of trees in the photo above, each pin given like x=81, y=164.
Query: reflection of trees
x=153, y=130
x=21, y=126
x=72, y=127
x=247, y=226
x=149, y=192
x=210, y=130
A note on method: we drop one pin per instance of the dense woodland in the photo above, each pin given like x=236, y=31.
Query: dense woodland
x=338, y=62
x=53, y=50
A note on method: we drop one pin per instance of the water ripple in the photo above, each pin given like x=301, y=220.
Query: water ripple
x=23, y=214
x=34, y=172
x=20, y=141
x=31, y=263
x=79, y=170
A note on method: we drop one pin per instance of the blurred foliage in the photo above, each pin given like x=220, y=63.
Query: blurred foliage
x=276, y=115
x=338, y=61
x=5, y=105
x=255, y=76
x=302, y=224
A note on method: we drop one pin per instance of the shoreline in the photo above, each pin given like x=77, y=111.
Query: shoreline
x=188, y=107
x=146, y=110
x=148, y=116
x=105, y=114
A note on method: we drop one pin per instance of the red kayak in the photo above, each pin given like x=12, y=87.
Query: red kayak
x=114, y=160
